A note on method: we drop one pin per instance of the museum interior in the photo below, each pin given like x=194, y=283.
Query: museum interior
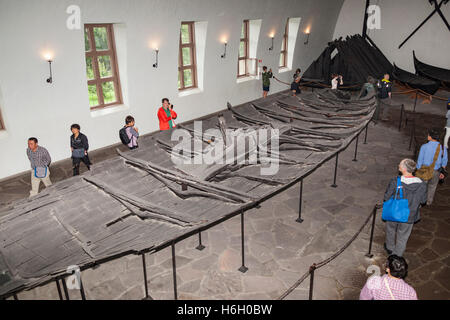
x=224, y=150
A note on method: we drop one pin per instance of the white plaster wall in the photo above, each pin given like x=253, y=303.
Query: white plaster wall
x=398, y=19
x=31, y=107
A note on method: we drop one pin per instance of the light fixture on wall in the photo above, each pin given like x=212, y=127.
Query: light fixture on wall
x=223, y=56
x=49, y=57
x=272, y=36
x=155, y=65
x=307, y=31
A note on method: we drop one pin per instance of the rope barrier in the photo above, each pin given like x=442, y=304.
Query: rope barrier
x=329, y=259
x=319, y=84
x=423, y=93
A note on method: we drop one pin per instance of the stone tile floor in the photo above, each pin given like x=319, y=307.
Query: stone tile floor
x=279, y=250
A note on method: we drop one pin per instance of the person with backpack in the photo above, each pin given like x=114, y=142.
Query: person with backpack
x=129, y=134
x=390, y=286
x=414, y=190
x=40, y=162
x=166, y=115
x=79, y=146
x=431, y=162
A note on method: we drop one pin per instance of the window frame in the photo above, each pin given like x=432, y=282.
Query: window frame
x=285, y=42
x=94, y=54
x=246, y=40
x=192, y=50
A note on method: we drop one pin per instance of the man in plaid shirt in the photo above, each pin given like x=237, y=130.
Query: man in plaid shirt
x=40, y=161
x=390, y=286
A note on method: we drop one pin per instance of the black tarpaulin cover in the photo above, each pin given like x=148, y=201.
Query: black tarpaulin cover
x=354, y=58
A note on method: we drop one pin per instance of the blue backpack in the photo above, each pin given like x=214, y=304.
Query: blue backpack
x=394, y=209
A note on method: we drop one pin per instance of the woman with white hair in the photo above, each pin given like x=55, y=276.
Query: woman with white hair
x=415, y=190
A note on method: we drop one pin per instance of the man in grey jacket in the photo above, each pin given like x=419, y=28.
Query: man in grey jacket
x=415, y=190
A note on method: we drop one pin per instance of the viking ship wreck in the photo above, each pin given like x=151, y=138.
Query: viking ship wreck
x=146, y=199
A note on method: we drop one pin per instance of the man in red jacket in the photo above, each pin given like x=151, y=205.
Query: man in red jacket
x=166, y=115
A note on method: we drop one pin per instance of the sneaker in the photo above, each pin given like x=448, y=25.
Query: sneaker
x=389, y=252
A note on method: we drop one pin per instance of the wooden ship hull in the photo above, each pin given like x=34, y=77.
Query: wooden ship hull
x=142, y=201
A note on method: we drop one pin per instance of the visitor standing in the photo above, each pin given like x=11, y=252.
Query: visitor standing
x=295, y=86
x=266, y=75
x=166, y=115
x=79, y=146
x=413, y=189
x=432, y=157
x=40, y=161
x=384, y=95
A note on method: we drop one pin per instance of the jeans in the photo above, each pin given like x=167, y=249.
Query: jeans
x=35, y=182
x=400, y=232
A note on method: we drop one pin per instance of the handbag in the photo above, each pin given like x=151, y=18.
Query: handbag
x=396, y=210
x=39, y=172
x=78, y=153
x=426, y=172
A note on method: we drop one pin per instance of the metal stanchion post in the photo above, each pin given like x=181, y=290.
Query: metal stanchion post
x=365, y=137
x=401, y=118
x=83, y=296
x=243, y=268
x=174, y=270
x=334, y=185
x=66, y=292
x=299, y=219
x=374, y=212
x=59, y=289
x=415, y=102
x=413, y=128
x=311, y=280
x=200, y=246
x=144, y=268
x=356, y=148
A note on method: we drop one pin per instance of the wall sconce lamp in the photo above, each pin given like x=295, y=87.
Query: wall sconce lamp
x=48, y=57
x=272, y=36
x=307, y=36
x=224, y=50
x=155, y=65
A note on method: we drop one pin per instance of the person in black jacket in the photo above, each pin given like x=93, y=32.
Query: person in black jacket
x=415, y=190
x=79, y=146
